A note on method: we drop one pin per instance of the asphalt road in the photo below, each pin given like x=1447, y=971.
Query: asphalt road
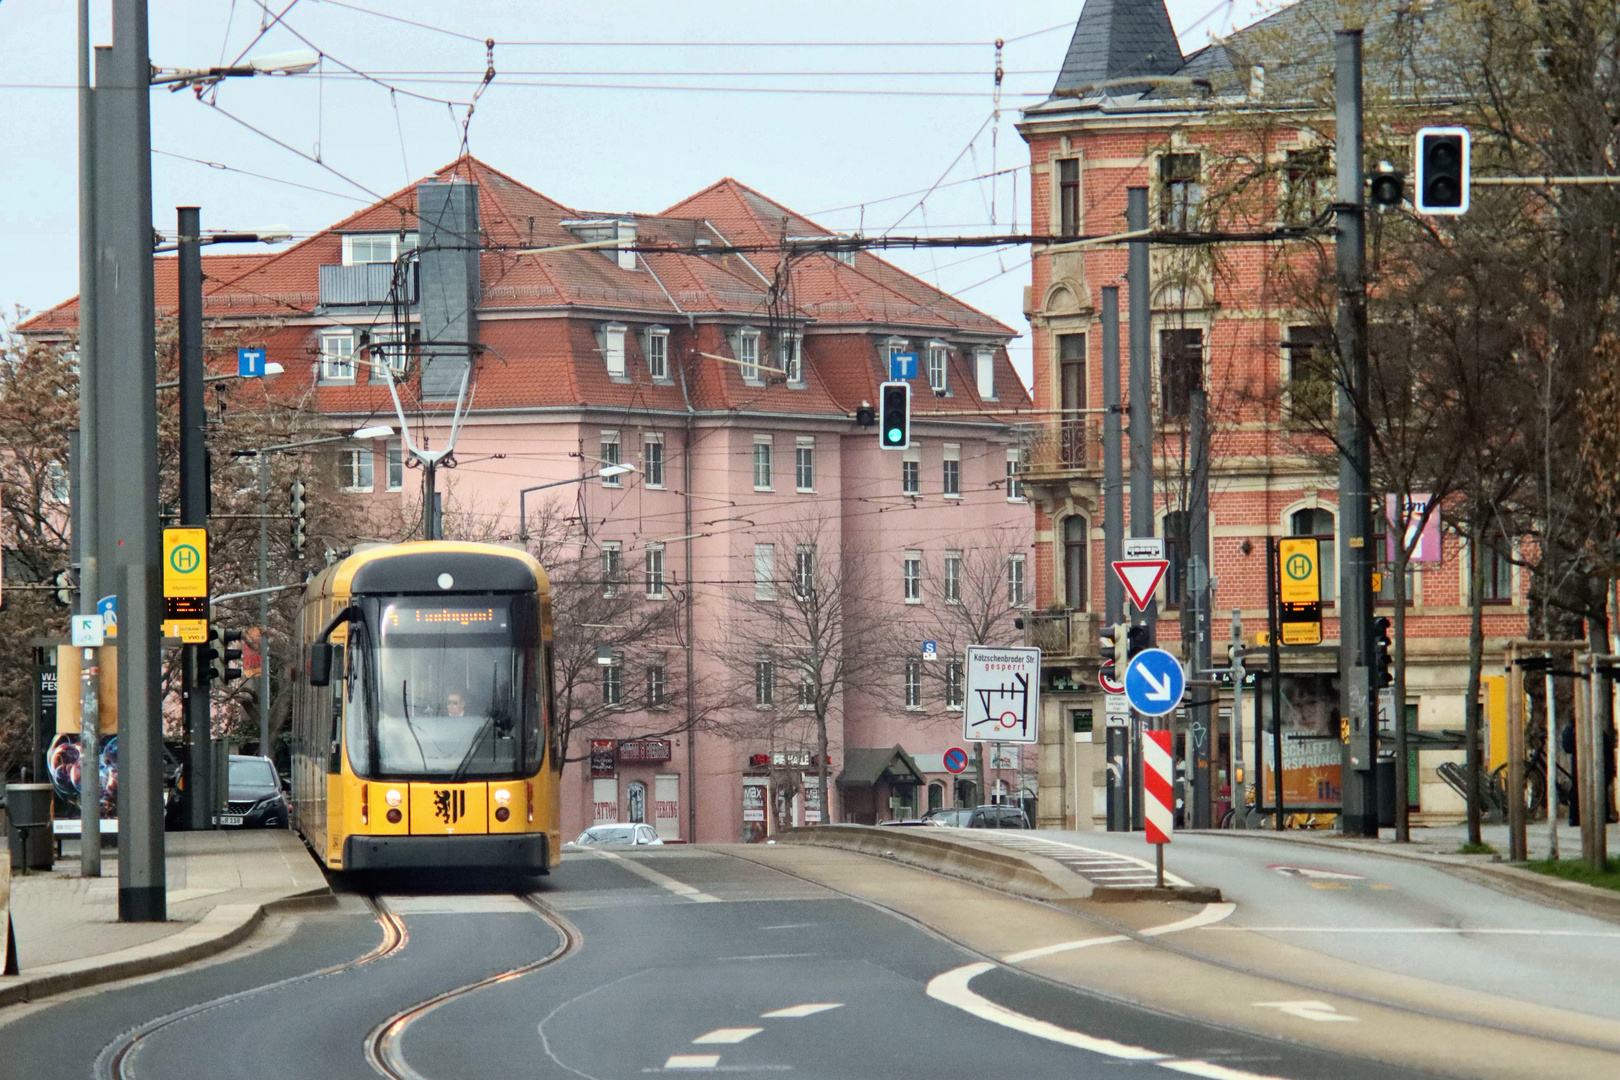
x=678, y=961
x=1402, y=917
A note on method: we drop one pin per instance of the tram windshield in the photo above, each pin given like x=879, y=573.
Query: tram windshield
x=447, y=689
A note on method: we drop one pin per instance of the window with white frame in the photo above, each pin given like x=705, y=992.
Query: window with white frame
x=952, y=588
x=657, y=681
x=1015, y=580
x=911, y=577
x=658, y=352
x=911, y=470
x=386, y=355
x=762, y=462
x=613, y=350
x=609, y=455
x=748, y=354
x=613, y=682
x=652, y=459
x=396, y=465
x=764, y=571
x=1015, y=485
x=936, y=366
x=895, y=346
x=354, y=469
x=362, y=248
x=954, y=696
x=793, y=358
x=913, y=682
x=57, y=481
x=951, y=471
x=807, y=685
x=337, y=356
x=764, y=682
x=984, y=369
x=655, y=571
x=612, y=567
x=804, y=463
x=804, y=571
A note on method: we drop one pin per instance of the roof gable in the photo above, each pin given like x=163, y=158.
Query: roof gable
x=1116, y=39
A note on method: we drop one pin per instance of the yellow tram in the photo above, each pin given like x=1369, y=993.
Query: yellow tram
x=422, y=712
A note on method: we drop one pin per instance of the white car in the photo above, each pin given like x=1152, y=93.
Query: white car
x=617, y=836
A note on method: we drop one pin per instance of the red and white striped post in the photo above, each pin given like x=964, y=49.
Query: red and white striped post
x=1158, y=803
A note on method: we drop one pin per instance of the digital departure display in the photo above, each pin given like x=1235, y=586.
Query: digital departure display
x=440, y=619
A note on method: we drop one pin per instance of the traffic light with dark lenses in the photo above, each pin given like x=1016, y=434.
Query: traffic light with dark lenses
x=894, y=416
x=1383, y=666
x=1441, y=161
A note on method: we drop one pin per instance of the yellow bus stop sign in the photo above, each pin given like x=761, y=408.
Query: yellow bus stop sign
x=1301, y=577
x=185, y=584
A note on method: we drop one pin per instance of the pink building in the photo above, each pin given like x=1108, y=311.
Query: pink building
x=732, y=382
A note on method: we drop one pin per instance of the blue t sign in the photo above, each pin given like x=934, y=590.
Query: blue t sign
x=250, y=363
x=902, y=365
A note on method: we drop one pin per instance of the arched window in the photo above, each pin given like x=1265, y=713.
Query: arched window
x=1319, y=523
x=967, y=793
x=1177, y=550
x=1076, y=556
x=936, y=795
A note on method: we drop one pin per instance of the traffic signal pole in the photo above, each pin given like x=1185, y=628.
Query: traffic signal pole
x=86, y=524
x=1141, y=383
x=198, y=720
x=1358, y=790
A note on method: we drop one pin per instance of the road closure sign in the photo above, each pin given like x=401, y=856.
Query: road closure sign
x=1003, y=694
x=185, y=584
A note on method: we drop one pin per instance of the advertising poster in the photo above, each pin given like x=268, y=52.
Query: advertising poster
x=1311, y=751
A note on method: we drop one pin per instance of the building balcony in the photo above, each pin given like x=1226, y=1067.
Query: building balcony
x=364, y=285
x=1062, y=634
x=1059, y=448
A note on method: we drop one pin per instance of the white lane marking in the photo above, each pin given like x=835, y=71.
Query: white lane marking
x=1036, y=844
x=791, y=926
x=1212, y=913
x=692, y=1061
x=794, y=1011
x=770, y=956
x=1306, y=871
x=679, y=888
x=455, y=905
x=727, y=1035
x=952, y=988
x=1527, y=932
x=1319, y=1011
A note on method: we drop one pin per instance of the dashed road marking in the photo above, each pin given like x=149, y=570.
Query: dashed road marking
x=692, y=1061
x=728, y=1035
x=795, y=1011
x=1094, y=864
x=1320, y=1011
x=770, y=956
x=679, y=888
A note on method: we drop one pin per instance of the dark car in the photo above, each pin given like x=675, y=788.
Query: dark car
x=255, y=798
x=997, y=817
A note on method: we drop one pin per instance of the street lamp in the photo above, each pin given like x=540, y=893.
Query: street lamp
x=606, y=472
x=296, y=62
x=375, y=431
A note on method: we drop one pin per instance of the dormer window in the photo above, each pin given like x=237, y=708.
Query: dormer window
x=620, y=231
x=792, y=346
x=337, y=356
x=362, y=248
x=936, y=366
x=984, y=364
x=613, y=350
x=748, y=354
x=658, y=352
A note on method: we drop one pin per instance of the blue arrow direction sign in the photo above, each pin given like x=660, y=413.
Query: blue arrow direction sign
x=902, y=366
x=250, y=363
x=1154, y=682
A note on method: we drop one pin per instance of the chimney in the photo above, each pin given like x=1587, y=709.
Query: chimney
x=448, y=245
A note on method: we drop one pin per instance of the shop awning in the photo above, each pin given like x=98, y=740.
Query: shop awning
x=864, y=767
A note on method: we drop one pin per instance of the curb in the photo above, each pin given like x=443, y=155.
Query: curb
x=1120, y=894
x=220, y=929
x=1511, y=878
x=1030, y=876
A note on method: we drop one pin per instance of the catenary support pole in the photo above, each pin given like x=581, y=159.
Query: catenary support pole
x=1518, y=845
x=1360, y=772
x=1274, y=685
x=264, y=607
x=199, y=784
x=1201, y=738
x=1141, y=420
x=1113, y=461
x=86, y=520
x=126, y=457
x=1552, y=760
x=1234, y=774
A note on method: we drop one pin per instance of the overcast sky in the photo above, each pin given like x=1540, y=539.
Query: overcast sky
x=599, y=147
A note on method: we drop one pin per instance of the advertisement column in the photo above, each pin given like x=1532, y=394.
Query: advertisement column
x=755, y=793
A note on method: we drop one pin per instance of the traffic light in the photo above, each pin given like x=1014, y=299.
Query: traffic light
x=1140, y=638
x=1387, y=188
x=894, y=431
x=300, y=521
x=1116, y=649
x=217, y=656
x=1383, y=666
x=1441, y=162
x=65, y=588
x=208, y=657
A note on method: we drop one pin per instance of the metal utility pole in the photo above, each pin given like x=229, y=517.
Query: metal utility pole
x=1274, y=625
x=1113, y=461
x=1201, y=737
x=264, y=606
x=194, y=510
x=84, y=503
x=1141, y=383
x=1359, y=789
x=126, y=451
x=1235, y=779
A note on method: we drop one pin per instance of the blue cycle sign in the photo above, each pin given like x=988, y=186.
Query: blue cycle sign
x=1154, y=682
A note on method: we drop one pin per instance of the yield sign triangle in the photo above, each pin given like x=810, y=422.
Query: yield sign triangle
x=1141, y=578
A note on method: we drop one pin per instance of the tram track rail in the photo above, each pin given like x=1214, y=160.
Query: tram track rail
x=116, y=1061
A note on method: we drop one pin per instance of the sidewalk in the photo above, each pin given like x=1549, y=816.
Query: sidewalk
x=219, y=885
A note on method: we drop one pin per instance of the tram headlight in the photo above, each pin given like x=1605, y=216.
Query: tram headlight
x=503, y=796
x=394, y=797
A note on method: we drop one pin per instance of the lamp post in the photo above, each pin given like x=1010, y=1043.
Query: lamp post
x=377, y=431
x=604, y=473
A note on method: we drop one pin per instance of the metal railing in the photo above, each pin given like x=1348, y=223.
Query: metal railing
x=362, y=284
x=1060, y=444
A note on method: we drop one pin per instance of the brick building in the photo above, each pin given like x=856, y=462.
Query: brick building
x=1096, y=136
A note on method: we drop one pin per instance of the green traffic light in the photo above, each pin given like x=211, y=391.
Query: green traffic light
x=894, y=434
